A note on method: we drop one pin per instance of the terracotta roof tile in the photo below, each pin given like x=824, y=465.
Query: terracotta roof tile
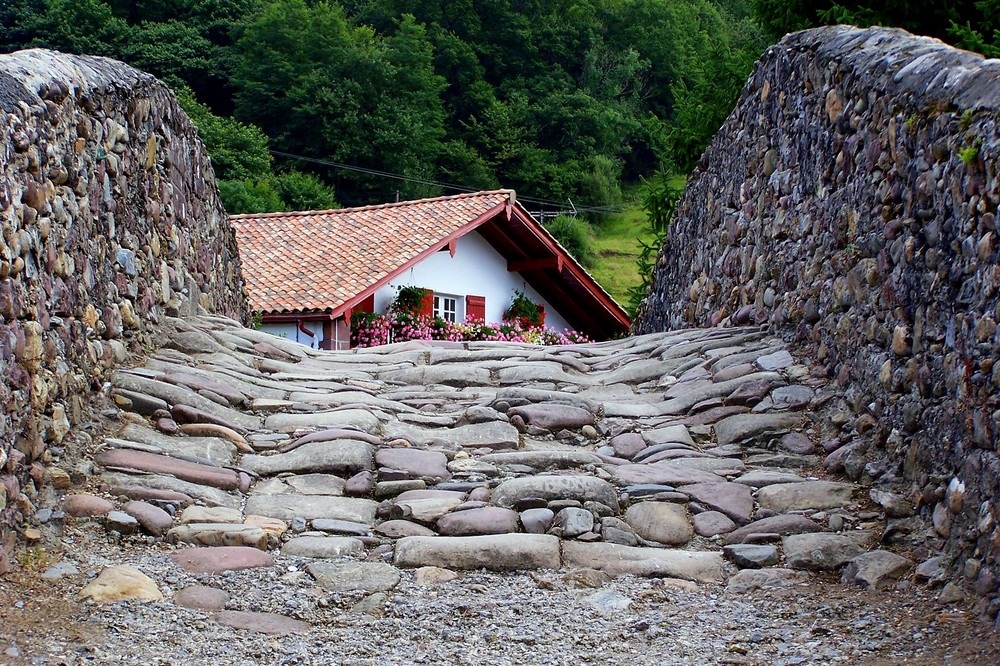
x=318, y=260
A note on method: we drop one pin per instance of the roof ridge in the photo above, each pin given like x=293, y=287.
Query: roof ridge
x=396, y=204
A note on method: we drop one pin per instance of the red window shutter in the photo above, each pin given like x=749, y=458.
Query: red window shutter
x=475, y=308
x=367, y=305
x=427, y=303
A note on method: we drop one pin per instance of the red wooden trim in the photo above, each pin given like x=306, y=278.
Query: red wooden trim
x=452, y=246
x=475, y=307
x=555, y=262
x=427, y=304
x=454, y=236
x=575, y=269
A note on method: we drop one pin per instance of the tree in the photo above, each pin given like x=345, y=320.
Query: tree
x=73, y=26
x=967, y=23
x=326, y=89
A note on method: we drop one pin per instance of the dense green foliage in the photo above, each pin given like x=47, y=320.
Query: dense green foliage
x=560, y=99
x=969, y=24
x=573, y=233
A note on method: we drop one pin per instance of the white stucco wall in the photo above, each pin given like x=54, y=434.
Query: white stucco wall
x=477, y=270
x=290, y=331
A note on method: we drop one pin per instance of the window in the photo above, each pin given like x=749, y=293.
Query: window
x=446, y=307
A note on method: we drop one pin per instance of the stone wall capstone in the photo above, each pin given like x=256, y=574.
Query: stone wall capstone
x=850, y=203
x=111, y=223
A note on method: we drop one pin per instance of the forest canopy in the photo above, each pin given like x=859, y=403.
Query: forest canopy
x=563, y=100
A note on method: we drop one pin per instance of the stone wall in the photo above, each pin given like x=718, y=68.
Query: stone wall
x=110, y=222
x=850, y=202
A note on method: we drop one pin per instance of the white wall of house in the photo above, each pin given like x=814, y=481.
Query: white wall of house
x=477, y=270
x=290, y=331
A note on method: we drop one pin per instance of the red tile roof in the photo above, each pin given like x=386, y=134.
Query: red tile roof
x=318, y=260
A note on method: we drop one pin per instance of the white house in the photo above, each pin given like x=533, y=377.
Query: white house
x=308, y=272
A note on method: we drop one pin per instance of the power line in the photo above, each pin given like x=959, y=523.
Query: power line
x=443, y=185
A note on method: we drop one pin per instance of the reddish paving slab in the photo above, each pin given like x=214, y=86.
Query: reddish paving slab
x=81, y=506
x=221, y=558
x=216, y=477
x=264, y=623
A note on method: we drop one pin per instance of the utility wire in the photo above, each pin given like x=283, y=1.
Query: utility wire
x=435, y=183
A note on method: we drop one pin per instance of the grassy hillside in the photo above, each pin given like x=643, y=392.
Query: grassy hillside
x=616, y=248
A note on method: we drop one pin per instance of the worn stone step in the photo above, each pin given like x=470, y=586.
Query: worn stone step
x=126, y=459
x=341, y=456
x=311, y=507
x=618, y=560
x=219, y=534
x=505, y=552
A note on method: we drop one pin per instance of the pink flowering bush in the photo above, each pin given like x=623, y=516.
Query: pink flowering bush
x=371, y=329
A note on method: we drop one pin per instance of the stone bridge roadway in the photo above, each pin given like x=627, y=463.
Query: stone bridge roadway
x=669, y=498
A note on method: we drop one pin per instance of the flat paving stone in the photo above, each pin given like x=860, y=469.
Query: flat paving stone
x=555, y=487
x=341, y=527
x=821, y=551
x=504, y=552
x=781, y=525
x=169, y=488
x=341, y=456
x=745, y=426
x=323, y=547
x=217, y=450
x=758, y=478
x=354, y=576
x=751, y=580
x=311, y=507
x=711, y=523
x=430, y=466
x=628, y=444
x=618, y=560
x=86, y=506
x=486, y=520
x=223, y=558
x=733, y=499
x=153, y=519
x=543, y=460
x=877, y=570
x=219, y=534
x=662, y=522
x=675, y=433
x=210, y=514
x=397, y=529
x=362, y=419
x=261, y=623
x=301, y=484
x=752, y=556
x=201, y=597
x=665, y=473
x=217, y=477
x=119, y=583
x=553, y=416
x=816, y=495
x=426, y=509
x=491, y=435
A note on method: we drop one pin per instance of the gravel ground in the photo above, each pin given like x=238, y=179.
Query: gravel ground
x=480, y=618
